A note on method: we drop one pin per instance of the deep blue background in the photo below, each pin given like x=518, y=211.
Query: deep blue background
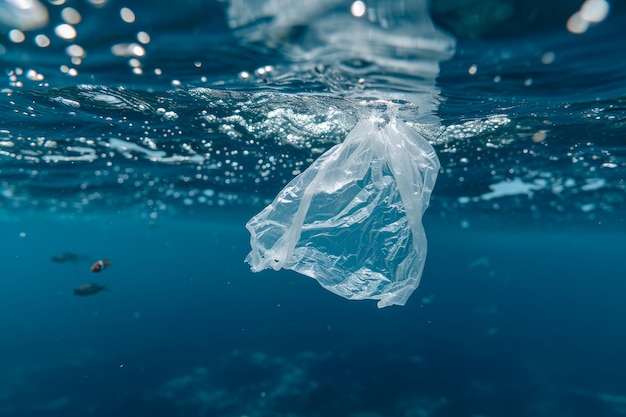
x=505, y=322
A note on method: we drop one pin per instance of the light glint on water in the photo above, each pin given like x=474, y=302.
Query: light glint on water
x=591, y=12
x=65, y=31
x=71, y=16
x=143, y=37
x=42, y=41
x=127, y=15
x=358, y=9
x=128, y=50
x=16, y=36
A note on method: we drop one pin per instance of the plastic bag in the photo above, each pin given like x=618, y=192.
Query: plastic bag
x=353, y=219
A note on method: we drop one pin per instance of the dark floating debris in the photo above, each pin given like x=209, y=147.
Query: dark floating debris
x=101, y=265
x=89, y=289
x=65, y=257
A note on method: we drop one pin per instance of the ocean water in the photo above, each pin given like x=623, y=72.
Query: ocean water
x=148, y=133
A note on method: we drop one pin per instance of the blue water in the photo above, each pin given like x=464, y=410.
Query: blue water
x=520, y=308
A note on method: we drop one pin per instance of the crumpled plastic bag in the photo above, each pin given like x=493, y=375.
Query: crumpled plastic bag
x=353, y=219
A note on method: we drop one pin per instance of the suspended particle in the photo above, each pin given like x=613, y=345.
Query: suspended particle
x=540, y=136
x=71, y=16
x=358, y=9
x=16, y=36
x=75, y=51
x=143, y=37
x=65, y=31
x=547, y=58
x=42, y=41
x=127, y=15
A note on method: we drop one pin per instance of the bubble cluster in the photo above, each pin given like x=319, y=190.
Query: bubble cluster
x=61, y=28
x=591, y=12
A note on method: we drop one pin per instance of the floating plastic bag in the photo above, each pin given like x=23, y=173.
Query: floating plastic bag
x=353, y=219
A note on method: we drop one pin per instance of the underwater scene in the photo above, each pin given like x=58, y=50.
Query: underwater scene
x=450, y=174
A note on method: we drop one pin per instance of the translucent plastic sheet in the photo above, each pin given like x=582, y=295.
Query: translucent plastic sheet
x=397, y=35
x=353, y=219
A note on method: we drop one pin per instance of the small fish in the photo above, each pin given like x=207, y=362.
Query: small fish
x=65, y=257
x=89, y=289
x=101, y=265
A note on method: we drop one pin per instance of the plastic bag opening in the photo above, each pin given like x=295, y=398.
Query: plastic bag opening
x=353, y=219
